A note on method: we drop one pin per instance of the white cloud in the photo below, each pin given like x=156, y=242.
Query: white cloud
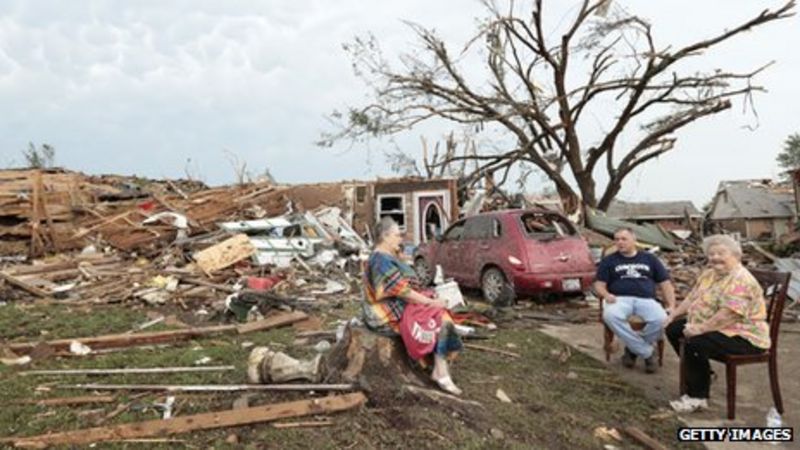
x=139, y=87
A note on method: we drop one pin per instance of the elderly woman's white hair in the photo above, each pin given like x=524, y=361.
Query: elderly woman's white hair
x=383, y=228
x=723, y=240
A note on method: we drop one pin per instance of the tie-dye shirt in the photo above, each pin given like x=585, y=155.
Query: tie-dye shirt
x=740, y=293
x=387, y=281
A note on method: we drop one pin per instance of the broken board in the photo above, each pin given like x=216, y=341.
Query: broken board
x=224, y=254
x=160, y=337
x=205, y=421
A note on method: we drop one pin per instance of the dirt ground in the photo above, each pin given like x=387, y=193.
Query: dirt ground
x=753, y=398
x=559, y=397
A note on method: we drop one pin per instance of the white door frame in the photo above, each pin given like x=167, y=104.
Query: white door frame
x=446, y=219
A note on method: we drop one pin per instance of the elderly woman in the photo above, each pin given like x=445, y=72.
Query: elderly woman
x=725, y=315
x=390, y=286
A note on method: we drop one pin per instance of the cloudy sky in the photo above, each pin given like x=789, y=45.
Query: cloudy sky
x=162, y=89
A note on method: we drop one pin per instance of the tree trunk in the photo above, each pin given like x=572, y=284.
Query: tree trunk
x=378, y=364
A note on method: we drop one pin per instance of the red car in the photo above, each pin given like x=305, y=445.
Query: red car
x=508, y=253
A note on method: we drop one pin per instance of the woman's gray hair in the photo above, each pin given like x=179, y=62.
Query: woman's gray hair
x=725, y=241
x=383, y=228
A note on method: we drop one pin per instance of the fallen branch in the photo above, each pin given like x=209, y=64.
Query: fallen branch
x=484, y=348
x=210, y=387
x=206, y=421
x=133, y=370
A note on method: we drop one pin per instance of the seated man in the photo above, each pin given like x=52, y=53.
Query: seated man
x=626, y=281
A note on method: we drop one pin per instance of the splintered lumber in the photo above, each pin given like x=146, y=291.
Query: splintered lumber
x=642, y=438
x=84, y=400
x=484, y=348
x=132, y=370
x=220, y=287
x=125, y=340
x=205, y=421
x=159, y=337
x=210, y=387
x=225, y=253
x=763, y=252
x=272, y=322
x=14, y=281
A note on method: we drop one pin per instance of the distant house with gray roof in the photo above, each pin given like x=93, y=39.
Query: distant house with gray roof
x=670, y=215
x=757, y=209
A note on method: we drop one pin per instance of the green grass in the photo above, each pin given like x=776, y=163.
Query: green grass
x=548, y=410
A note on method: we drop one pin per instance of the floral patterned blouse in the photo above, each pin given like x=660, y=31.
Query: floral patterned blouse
x=741, y=294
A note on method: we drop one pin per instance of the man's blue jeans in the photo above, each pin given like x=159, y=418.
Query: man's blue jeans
x=640, y=343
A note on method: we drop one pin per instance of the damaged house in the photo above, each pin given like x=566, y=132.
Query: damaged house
x=755, y=209
x=421, y=207
x=677, y=215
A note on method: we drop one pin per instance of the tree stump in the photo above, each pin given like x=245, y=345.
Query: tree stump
x=378, y=364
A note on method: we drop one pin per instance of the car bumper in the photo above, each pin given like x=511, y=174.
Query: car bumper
x=531, y=283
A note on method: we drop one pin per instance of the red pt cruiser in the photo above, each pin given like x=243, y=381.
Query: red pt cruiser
x=509, y=253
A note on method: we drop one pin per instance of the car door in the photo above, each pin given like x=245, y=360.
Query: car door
x=475, y=244
x=448, y=249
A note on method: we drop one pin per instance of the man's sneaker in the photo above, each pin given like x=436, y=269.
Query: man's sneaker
x=628, y=358
x=650, y=364
x=687, y=404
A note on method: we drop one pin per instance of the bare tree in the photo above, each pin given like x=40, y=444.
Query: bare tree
x=39, y=158
x=539, y=88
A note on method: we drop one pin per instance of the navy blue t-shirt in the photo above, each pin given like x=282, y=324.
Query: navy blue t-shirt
x=635, y=276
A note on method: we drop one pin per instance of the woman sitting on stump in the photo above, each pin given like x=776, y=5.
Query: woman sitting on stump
x=391, y=291
x=726, y=316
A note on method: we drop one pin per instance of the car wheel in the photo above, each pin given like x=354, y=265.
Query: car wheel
x=495, y=287
x=423, y=271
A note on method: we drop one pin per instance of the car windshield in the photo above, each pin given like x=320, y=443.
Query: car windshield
x=546, y=226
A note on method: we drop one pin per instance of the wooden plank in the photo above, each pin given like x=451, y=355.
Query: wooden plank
x=12, y=280
x=484, y=348
x=159, y=337
x=106, y=221
x=316, y=423
x=61, y=266
x=125, y=340
x=224, y=254
x=272, y=322
x=205, y=421
x=642, y=438
x=209, y=387
x=763, y=252
x=130, y=370
x=83, y=400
